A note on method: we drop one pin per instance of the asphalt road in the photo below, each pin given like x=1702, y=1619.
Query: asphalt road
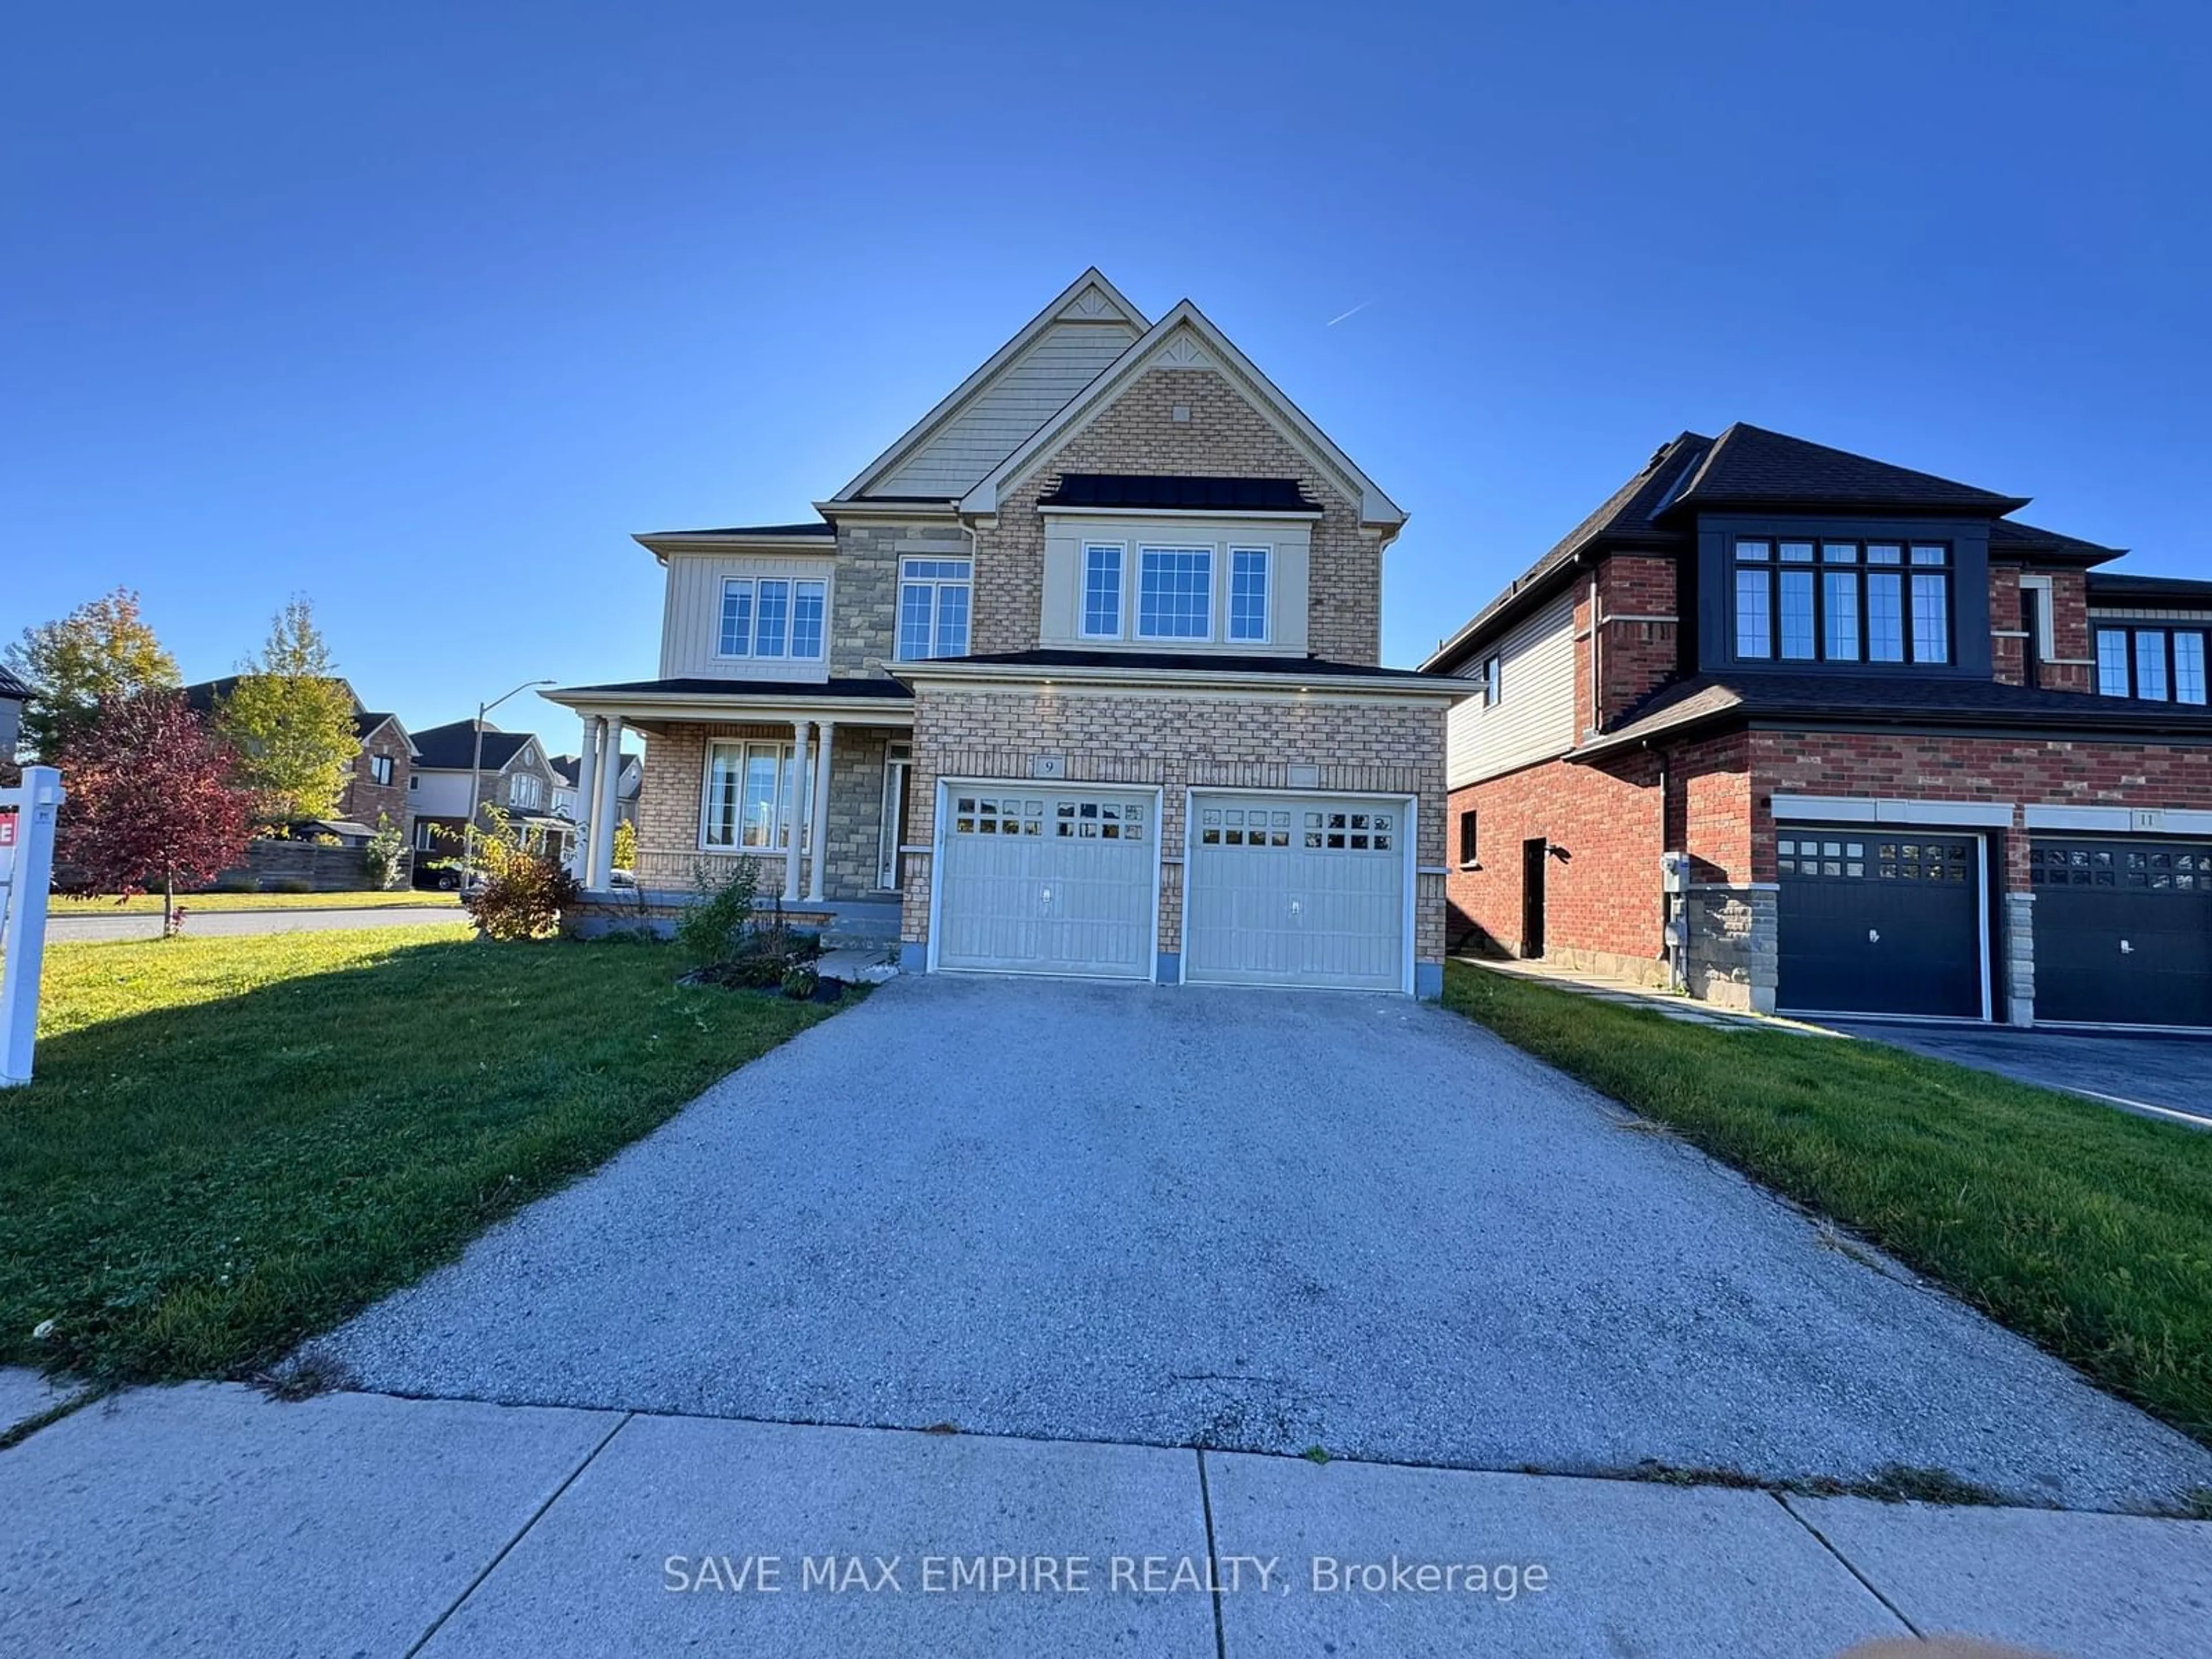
x=81, y=929
x=2163, y=1077
x=1245, y=1220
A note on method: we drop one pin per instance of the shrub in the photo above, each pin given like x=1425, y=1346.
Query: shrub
x=799, y=983
x=521, y=894
x=624, y=856
x=713, y=930
x=385, y=854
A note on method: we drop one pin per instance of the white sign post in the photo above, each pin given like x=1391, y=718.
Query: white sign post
x=26, y=870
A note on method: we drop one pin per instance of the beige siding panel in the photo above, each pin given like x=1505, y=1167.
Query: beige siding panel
x=1535, y=718
x=1290, y=558
x=691, y=623
x=1032, y=389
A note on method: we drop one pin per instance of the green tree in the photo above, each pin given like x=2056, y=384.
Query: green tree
x=290, y=718
x=103, y=648
x=385, y=854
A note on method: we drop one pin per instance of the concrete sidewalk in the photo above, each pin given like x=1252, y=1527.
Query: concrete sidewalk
x=79, y=928
x=206, y=1520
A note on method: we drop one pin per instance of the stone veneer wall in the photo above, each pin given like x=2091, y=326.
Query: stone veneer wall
x=1223, y=436
x=1181, y=741
x=1730, y=958
x=668, y=854
x=863, y=631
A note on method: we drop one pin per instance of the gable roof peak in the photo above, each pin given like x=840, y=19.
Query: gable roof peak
x=1754, y=466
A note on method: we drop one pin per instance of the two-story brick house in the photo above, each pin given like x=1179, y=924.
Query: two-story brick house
x=513, y=776
x=379, y=779
x=1080, y=676
x=1903, y=754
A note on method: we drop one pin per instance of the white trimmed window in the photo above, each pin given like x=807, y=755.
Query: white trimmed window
x=379, y=769
x=751, y=794
x=773, y=616
x=1247, y=594
x=932, y=610
x=1175, y=593
x=1101, y=591
x=522, y=790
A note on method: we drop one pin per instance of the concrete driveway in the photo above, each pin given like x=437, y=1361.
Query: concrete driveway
x=1243, y=1220
x=2166, y=1076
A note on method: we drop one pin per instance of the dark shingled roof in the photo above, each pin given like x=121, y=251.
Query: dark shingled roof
x=2109, y=587
x=365, y=722
x=1884, y=697
x=1749, y=466
x=202, y=697
x=1192, y=662
x=452, y=748
x=2009, y=538
x=779, y=690
x=813, y=527
x=14, y=689
x=1177, y=492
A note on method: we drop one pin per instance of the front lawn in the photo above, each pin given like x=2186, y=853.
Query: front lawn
x=150, y=903
x=231, y=1143
x=2085, y=1229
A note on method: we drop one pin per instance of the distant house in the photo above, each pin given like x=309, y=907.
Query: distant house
x=568, y=771
x=14, y=694
x=379, y=779
x=513, y=776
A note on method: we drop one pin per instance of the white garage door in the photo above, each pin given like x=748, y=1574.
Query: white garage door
x=1042, y=880
x=1295, y=891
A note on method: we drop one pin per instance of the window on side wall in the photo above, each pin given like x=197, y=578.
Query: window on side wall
x=778, y=618
x=1493, y=682
x=932, y=608
x=1470, y=845
x=1101, y=591
x=1175, y=593
x=751, y=793
x=379, y=769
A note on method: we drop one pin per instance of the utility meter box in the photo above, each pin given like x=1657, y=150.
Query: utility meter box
x=1674, y=873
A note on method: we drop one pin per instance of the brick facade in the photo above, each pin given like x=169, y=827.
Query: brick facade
x=1182, y=741
x=364, y=799
x=1224, y=437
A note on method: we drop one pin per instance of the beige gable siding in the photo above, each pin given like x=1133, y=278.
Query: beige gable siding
x=1534, y=718
x=1033, y=388
x=691, y=622
x=1222, y=435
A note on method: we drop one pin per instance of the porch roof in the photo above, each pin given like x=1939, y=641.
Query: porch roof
x=882, y=700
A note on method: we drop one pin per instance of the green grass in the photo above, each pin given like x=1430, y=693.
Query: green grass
x=231, y=1143
x=145, y=903
x=2083, y=1228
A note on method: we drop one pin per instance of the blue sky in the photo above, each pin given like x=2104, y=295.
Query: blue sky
x=423, y=310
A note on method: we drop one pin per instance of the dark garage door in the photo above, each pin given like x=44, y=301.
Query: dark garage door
x=2122, y=931
x=1879, y=922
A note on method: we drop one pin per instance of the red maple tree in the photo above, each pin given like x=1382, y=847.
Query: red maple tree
x=150, y=802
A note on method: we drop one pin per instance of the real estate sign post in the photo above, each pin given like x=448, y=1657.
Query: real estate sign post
x=27, y=868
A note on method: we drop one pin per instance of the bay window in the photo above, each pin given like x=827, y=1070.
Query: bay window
x=933, y=609
x=773, y=616
x=1857, y=602
x=752, y=795
x=2164, y=665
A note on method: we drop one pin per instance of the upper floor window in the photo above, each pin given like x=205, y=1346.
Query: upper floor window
x=379, y=769
x=933, y=610
x=2165, y=665
x=1101, y=590
x=773, y=616
x=1247, y=594
x=1175, y=593
x=414, y=782
x=1493, y=681
x=522, y=790
x=1836, y=601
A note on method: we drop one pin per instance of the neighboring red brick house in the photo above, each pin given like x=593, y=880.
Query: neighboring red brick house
x=1793, y=728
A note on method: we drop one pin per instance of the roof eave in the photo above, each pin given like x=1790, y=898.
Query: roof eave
x=953, y=670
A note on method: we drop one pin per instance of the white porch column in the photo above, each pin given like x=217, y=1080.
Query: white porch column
x=603, y=812
x=580, y=852
x=802, y=739
x=817, y=820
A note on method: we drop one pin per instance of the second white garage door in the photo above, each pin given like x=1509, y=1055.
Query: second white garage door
x=1038, y=880
x=1296, y=891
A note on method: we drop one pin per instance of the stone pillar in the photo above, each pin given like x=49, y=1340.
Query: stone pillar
x=818, y=816
x=2018, y=938
x=802, y=738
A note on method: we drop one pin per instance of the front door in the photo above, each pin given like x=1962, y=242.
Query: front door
x=1534, y=855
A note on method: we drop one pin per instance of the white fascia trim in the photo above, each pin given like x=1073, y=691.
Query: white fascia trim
x=1195, y=678
x=736, y=708
x=1374, y=507
x=915, y=435
x=661, y=546
x=1863, y=809
x=2122, y=820
x=1173, y=513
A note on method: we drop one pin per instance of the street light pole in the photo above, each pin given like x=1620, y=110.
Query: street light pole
x=476, y=780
